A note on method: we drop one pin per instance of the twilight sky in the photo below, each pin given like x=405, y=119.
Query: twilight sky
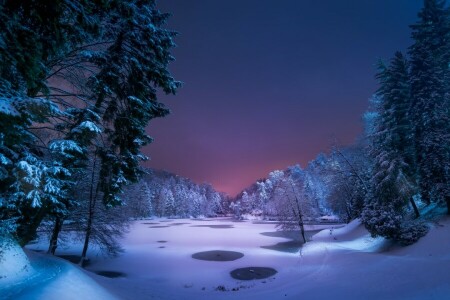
x=267, y=83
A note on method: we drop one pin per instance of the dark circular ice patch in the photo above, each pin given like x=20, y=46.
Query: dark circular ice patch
x=161, y=241
x=218, y=255
x=178, y=224
x=251, y=273
x=215, y=226
x=110, y=274
x=150, y=223
x=161, y=226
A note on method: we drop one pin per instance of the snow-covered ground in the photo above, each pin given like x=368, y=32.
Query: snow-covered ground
x=342, y=263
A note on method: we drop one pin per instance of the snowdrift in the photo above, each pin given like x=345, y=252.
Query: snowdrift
x=14, y=264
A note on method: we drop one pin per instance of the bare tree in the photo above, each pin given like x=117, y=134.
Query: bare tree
x=293, y=203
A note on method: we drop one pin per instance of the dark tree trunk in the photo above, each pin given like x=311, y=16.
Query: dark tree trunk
x=413, y=203
x=86, y=242
x=54, y=239
x=447, y=200
x=92, y=202
x=302, y=230
x=302, y=226
x=26, y=231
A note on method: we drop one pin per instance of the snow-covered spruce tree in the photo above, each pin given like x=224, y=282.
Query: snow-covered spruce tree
x=393, y=184
x=34, y=37
x=211, y=201
x=139, y=200
x=430, y=90
x=265, y=194
x=170, y=209
x=236, y=208
x=37, y=174
x=132, y=68
x=246, y=202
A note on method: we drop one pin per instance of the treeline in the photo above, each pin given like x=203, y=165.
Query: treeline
x=330, y=185
x=163, y=194
x=78, y=86
x=403, y=159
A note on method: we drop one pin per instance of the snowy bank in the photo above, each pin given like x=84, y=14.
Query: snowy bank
x=14, y=264
x=50, y=278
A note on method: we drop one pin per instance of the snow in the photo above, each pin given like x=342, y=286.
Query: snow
x=14, y=264
x=7, y=108
x=351, y=237
x=87, y=126
x=53, y=279
x=61, y=146
x=341, y=263
x=4, y=160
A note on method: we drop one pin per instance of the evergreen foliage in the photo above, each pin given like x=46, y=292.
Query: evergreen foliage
x=430, y=91
x=78, y=84
x=410, y=130
x=393, y=182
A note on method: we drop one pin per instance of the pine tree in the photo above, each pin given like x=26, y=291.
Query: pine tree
x=170, y=209
x=34, y=38
x=132, y=69
x=430, y=110
x=394, y=178
x=393, y=182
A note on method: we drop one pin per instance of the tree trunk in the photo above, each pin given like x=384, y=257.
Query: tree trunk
x=27, y=230
x=86, y=238
x=54, y=239
x=413, y=203
x=447, y=200
x=302, y=230
x=92, y=200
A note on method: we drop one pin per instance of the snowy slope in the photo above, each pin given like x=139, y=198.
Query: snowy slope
x=52, y=278
x=14, y=264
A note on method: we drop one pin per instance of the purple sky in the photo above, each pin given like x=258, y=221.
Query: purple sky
x=267, y=84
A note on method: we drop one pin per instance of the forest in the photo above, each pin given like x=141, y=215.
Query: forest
x=80, y=82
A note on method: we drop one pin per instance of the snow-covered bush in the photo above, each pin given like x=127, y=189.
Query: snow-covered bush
x=411, y=232
x=382, y=221
x=387, y=222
